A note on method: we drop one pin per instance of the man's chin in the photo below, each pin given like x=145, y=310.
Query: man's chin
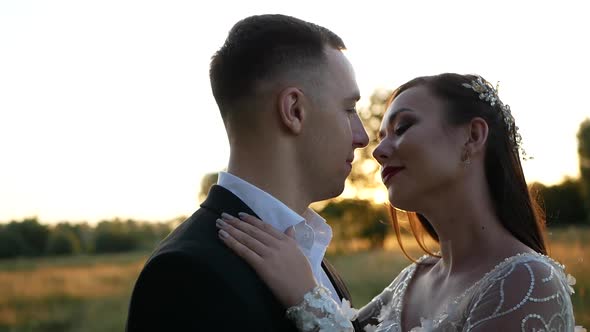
x=329, y=194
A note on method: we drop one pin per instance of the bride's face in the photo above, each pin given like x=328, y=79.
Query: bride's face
x=419, y=152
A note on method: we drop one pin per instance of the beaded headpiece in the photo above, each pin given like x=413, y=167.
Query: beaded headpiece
x=490, y=94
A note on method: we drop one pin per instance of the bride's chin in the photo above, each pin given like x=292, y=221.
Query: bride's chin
x=401, y=203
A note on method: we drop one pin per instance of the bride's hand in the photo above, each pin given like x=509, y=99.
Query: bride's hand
x=273, y=255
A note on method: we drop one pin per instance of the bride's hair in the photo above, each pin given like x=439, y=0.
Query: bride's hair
x=513, y=203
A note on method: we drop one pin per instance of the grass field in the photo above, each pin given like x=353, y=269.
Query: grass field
x=91, y=293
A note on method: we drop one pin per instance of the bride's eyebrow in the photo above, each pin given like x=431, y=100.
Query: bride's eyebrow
x=395, y=114
x=391, y=120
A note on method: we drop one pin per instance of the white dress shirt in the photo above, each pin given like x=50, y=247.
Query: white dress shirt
x=312, y=233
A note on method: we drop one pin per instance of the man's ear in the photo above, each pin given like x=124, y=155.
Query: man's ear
x=478, y=135
x=291, y=109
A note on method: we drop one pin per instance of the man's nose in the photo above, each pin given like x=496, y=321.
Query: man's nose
x=360, y=139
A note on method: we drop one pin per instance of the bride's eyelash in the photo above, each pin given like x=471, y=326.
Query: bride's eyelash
x=402, y=129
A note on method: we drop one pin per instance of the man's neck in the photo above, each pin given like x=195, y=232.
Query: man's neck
x=273, y=177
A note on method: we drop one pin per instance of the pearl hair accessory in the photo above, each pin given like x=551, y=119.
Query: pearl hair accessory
x=489, y=94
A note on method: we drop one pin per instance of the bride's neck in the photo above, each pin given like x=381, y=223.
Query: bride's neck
x=468, y=229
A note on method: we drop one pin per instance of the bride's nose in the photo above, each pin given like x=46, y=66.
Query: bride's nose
x=382, y=152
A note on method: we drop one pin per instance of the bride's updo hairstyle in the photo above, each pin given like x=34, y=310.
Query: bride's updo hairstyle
x=466, y=97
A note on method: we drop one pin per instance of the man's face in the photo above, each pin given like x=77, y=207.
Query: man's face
x=333, y=129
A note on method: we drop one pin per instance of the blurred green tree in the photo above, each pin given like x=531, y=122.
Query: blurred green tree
x=563, y=202
x=12, y=243
x=364, y=177
x=34, y=235
x=85, y=234
x=115, y=236
x=63, y=241
x=207, y=181
x=584, y=156
x=353, y=219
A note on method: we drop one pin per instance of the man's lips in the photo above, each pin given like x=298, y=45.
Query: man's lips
x=389, y=172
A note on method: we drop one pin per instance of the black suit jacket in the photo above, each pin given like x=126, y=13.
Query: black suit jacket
x=193, y=282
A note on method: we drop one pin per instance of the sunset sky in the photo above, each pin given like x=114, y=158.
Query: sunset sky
x=106, y=108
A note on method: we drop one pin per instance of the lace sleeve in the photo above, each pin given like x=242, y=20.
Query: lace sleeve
x=531, y=294
x=370, y=315
x=318, y=312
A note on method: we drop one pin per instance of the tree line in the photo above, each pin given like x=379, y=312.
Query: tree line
x=30, y=238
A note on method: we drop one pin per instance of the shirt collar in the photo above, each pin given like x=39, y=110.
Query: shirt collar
x=267, y=207
x=312, y=233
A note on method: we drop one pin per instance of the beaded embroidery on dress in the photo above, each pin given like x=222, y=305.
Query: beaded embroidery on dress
x=525, y=292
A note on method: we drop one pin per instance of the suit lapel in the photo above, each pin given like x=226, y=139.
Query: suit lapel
x=340, y=287
x=221, y=200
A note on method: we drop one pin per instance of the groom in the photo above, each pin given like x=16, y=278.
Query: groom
x=287, y=97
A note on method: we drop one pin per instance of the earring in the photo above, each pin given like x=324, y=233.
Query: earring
x=466, y=157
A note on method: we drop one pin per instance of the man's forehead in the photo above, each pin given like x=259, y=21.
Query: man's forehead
x=338, y=63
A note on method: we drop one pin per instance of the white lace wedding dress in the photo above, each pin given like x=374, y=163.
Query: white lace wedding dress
x=526, y=292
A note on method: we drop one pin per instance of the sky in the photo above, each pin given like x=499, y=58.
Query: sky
x=106, y=108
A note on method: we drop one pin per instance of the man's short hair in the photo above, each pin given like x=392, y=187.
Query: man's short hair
x=262, y=47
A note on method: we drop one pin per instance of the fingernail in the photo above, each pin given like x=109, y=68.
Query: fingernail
x=220, y=223
x=223, y=234
x=226, y=216
x=242, y=214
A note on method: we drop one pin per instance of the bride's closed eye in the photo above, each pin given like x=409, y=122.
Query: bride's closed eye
x=401, y=128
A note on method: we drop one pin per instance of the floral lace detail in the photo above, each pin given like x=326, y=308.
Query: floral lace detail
x=510, y=290
x=526, y=292
x=318, y=312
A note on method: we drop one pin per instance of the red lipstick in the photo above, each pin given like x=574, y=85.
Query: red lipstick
x=389, y=172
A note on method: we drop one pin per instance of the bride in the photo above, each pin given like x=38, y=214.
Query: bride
x=450, y=152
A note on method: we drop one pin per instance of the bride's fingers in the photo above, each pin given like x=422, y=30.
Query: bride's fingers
x=261, y=225
x=244, y=239
x=253, y=231
x=241, y=250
